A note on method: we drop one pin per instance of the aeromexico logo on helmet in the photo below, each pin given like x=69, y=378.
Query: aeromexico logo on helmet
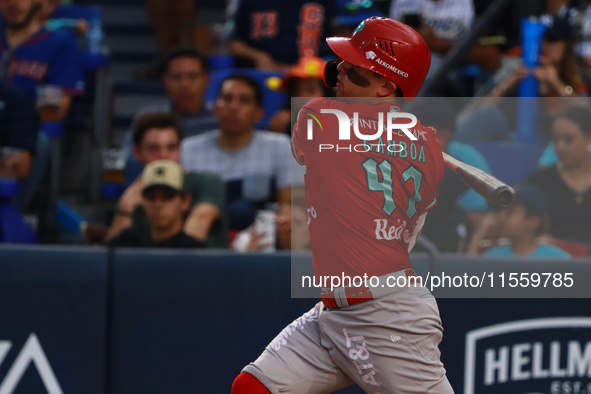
x=371, y=55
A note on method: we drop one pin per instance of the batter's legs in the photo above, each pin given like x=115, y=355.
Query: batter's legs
x=296, y=361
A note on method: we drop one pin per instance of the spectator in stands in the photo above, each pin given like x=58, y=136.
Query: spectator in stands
x=254, y=164
x=460, y=211
x=32, y=56
x=568, y=183
x=558, y=73
x=558, y=76
x=185, y=76
x=304, y=79
x=273, y=35
x=523, y=222
x=549, y=156
x=166, y=202
x=157, y=136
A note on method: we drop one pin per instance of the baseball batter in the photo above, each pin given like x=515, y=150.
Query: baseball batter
x=370, y=205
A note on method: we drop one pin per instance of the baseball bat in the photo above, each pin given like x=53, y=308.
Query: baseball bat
x=495, y=191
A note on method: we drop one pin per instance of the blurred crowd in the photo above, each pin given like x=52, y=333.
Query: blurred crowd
x=222, y=176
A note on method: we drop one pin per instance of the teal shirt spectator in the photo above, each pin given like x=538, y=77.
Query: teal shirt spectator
x=543, y=251
x=469, y=200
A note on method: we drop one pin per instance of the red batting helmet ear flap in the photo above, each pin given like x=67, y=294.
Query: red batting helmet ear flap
x=331, y=73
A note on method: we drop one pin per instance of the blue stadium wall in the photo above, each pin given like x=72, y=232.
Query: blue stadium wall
x=92, y=320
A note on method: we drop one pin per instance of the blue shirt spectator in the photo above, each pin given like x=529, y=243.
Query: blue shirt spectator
x=32, y=56
x=46, y=58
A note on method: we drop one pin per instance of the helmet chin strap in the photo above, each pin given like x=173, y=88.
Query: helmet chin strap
x=331, y=73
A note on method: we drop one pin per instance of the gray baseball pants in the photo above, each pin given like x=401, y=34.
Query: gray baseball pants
x=387, y=345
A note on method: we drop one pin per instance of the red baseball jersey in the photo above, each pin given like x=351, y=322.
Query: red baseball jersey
x=364, y=197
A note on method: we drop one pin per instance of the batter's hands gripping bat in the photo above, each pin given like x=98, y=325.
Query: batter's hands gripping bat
x=495, y=191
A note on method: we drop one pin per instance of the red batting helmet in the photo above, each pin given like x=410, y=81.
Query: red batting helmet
x=389, y=48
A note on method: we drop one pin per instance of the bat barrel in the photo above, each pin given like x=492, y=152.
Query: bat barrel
x=495, y=191
x=504, y=196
